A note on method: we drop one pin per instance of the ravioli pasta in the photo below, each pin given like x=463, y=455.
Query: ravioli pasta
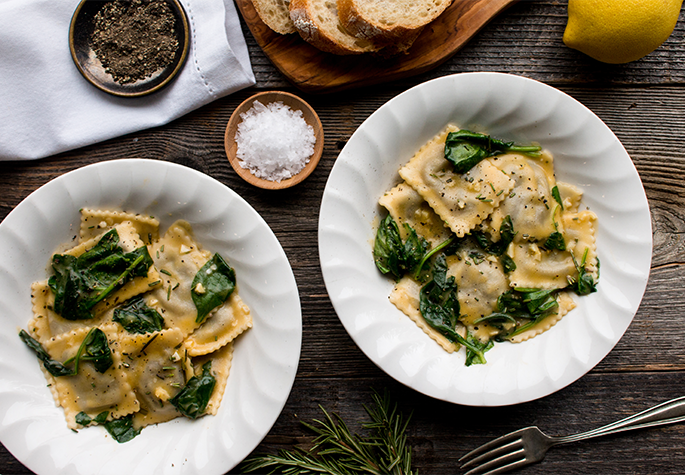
x=147, y=319
x=492, y=254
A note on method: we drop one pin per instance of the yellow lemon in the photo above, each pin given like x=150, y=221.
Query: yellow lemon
x=619, y=31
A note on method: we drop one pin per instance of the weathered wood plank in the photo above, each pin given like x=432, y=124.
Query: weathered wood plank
x=527, y=40
x=646, y=367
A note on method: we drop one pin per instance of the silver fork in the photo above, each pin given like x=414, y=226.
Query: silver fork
x=529, y=445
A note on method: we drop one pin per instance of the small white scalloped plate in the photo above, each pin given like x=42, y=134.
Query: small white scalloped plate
x=265, y=358
x=586, y=153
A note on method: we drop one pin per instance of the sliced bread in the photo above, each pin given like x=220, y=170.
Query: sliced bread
x=275, y=14
x=387, y=22
x=318, y=23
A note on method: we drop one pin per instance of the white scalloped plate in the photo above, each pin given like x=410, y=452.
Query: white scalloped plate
x=265, y=358
x=586, y=153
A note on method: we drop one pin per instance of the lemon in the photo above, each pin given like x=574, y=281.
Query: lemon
x=619, y=31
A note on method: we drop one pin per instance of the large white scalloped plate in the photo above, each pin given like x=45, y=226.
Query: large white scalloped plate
x=265, y=358
x=586, y=153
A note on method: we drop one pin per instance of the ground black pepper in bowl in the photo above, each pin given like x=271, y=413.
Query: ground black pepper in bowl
x=134, y=39
x=141, y=44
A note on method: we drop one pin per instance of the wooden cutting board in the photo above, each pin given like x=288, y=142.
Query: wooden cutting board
x=312, y=70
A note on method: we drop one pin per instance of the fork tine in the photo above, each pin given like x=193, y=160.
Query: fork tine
x=495, y=453
x=502, y=469
x=505, y=439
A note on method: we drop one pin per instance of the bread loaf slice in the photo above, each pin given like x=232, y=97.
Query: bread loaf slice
x=318, y=23
x=387, y=22
x=275, y=14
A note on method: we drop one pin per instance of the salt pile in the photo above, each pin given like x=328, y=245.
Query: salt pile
x=274, y=142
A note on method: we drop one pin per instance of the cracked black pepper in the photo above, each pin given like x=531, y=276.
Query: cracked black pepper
x=134, y=39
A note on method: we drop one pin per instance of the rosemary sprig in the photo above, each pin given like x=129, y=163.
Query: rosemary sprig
x=336, y=451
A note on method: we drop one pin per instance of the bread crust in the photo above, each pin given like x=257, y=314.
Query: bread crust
x=318, y=34
x=275, y=14
x=361, y=24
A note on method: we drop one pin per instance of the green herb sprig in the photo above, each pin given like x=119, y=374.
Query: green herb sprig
x=336, y=451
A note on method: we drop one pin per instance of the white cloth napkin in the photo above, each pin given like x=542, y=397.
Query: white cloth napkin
x=47, y=107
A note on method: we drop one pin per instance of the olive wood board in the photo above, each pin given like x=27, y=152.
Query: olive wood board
x=315, y=71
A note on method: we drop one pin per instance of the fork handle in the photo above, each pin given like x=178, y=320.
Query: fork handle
x=668, y=412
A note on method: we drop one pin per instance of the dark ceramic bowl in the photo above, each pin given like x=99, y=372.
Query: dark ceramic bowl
x=80, y=44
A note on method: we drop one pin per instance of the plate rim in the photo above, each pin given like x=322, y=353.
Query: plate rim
x=325, y=224
x=255, y=435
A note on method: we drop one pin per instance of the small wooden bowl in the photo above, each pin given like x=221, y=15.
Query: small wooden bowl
x=295, y=103
x=80, y=44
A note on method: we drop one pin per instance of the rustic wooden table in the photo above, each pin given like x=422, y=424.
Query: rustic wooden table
x=641, y=102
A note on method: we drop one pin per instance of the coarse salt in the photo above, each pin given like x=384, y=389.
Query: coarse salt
x=274, y=142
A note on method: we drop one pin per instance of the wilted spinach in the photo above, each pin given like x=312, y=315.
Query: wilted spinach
x=473, y=357
x=192, y=400
x=506, y=236
x=557, y=196
x=585, y=284
x=84, y=419
x=465, y=149
x=391, y=254
x=93, y=348
x=439, y=306
x=122, y=429
x=80, y=283
x=53, y=367
x=555, y=241
x=212, y=285
x=521, y=303
x=136, y=317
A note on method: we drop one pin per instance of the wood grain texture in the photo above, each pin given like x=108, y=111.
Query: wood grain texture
x=643, y=103
x=312, y=70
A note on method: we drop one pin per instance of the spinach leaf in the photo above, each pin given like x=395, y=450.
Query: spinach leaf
x=508, y=264
x=555, y=241
x=521, y=303
x=192, y=400
x=388, y=250
x=391, y=255
x=557, y=196
x=506, y=236
x=94, y=348
x=585, y=284
x=443, y=245
x=212, y=285
x=465, y=149
x=80, y=283
x=136, y=317
x=473, y=357
x=53, y=367
x=439, y=306
x=122, y=429
x=414, y=248
x=84, y=419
